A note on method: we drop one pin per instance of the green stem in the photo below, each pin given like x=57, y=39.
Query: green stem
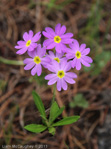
x=10, y=62
x=66, y=145
x=54, y=90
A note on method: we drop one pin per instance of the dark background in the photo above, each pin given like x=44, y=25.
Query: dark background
x=90, y=22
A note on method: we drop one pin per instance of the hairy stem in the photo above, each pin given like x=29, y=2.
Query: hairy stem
x=54, y=91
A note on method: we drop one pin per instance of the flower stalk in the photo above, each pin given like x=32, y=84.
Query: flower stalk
x=54, y=92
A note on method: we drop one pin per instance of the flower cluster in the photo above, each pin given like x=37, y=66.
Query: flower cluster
x=60, y=53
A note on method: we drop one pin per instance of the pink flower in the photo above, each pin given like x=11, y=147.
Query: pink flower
x=57, y=39
x=78, y=54
x=36, y=61
x=60, y=75
x=56, y=56
x=29, y=42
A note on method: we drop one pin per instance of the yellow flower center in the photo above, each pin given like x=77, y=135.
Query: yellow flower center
x=78, y=54
x=28, y=43
x=60, y=73
x=57, y=59
x=37, y=60
x=57, y=39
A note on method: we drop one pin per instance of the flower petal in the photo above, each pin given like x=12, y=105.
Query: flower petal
x=58, y=48
x=50, y=68
x=67, y=41
x=20, y=45
x=85, y=51
x=50, y=76
x=22, y=51
x=69, y=56
x=26, y=36
x=47, y=35
x=66, y=66
x=47, y=42
x=64, y=84
x=59, y=55
x=32, y=53
x=36, y=37
x=63, y=59
x=82, y=47
x=74, y=45
x=62, y=30
x=41, y=51
x=51, y=46
x=28, y=60
x=88, y=59
x=34, y=45
x=64, y=47
x=21, y=42
x=59, y=84
x=54, y=67
x=67, y=35
x=30, y=48
x=71, y=75
x=63, y=64
x=69, y=80
x=52, y=81
x=31, y=34
x=57, y=29
x=73, y=62
x=51, y=54
x=85, y=63
x=78, y=64
x=45, y=60
x=29, y=66
x=50, y=31
x=37, y=69
x=34, y=70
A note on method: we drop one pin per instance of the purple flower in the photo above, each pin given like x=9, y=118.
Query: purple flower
x=29, y=42
x=79, y=55
x=60, y=75
x=57, y=39
x=37, y=59
x=56, y=57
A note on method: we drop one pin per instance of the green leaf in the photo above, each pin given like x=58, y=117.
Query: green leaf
x=44, y=117
x=67, y=121
x=35, y=128
x=53, y=110
x=51, y=130
x=72, y=104
x=39, y=104
x=56, y=114
x=79, y=101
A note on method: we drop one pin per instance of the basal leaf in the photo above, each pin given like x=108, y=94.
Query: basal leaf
x=66, y=121
x=44, y=117
x=39, y=104
x=57, y=114
x=53, y=110
x=35, y=128
x=51, y=130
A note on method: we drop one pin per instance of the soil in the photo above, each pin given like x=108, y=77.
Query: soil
x=17, y=108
